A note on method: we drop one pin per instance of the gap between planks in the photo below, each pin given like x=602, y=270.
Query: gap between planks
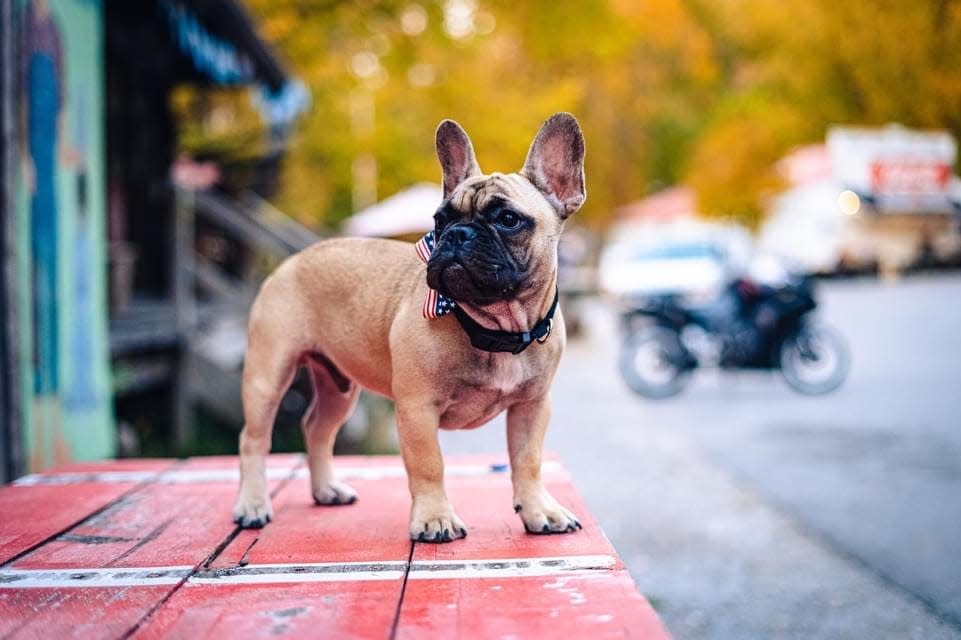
x=403, y=589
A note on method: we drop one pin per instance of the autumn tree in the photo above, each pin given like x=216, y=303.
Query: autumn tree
x=705, y=92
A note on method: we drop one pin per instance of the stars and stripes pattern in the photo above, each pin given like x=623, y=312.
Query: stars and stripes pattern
x=435, y=305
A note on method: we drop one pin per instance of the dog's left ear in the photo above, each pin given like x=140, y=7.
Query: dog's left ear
x=555, y=163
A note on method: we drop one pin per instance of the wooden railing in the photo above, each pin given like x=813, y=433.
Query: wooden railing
x=208, y=298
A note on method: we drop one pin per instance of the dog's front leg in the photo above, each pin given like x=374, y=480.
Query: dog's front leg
x=432, y=519
x=540, y=512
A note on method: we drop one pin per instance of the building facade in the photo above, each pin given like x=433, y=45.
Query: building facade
x=58, y=401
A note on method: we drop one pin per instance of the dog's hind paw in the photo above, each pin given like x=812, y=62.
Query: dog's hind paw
x=334, y=493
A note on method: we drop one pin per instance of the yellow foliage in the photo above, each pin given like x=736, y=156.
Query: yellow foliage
x=708, y=92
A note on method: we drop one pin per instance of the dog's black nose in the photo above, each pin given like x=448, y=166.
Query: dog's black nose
x=461, y=234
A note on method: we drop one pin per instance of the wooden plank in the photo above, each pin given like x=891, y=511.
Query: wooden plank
x=577, y=606
x=372, y=529
x=306, y=610
x=32, y=513
x=582, y=589
x=74, y=613
x=178, y=520
x=353, y=605
x=485, y=503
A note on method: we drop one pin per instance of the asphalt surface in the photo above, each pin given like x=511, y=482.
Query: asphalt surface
x=745, y=510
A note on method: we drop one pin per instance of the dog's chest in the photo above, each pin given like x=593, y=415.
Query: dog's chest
x=485, y=389
x=505, y=374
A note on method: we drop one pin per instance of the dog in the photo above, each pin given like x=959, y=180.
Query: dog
x=474, y=331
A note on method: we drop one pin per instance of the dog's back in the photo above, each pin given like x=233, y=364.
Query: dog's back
x=314, y=300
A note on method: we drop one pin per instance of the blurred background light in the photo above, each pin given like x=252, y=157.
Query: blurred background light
x=849, y=202
x=413, y=19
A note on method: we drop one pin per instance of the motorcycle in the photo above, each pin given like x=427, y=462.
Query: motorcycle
x=750, y=326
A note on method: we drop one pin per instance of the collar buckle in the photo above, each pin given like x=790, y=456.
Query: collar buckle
x=547, y=334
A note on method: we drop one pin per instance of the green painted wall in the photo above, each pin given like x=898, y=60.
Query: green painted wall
x=65, y=378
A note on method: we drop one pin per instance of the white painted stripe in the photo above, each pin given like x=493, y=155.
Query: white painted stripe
x=453, y=470
x=115, y=477
x=183, y=476
x=199, y=476
x=300, y=573
x=299, y=578
x=420, y=570
x=85, y=578
x=77, y=477
x=508, y=568
x=297, y=573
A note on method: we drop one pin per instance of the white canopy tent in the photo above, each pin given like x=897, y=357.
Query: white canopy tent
x=407, y=212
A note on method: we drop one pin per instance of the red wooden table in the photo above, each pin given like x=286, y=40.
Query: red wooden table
x=147, y=549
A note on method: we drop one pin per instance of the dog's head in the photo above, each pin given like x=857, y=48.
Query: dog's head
x=496, y=235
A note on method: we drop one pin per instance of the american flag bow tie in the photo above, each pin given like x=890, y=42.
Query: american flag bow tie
x=435, y=305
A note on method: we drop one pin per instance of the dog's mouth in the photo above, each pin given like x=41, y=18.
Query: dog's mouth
x=471, y=281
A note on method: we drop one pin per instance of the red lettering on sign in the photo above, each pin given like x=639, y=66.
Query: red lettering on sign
x=908, y=176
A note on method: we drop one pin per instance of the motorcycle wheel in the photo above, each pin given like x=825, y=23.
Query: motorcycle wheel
x=815, y=360
x=651, y=363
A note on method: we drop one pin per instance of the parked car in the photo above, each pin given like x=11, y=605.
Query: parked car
x=693, y=268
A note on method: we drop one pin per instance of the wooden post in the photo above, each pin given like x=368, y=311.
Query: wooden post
x=185, y=312
x=11, y=422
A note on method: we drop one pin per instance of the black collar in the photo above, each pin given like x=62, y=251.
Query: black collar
x=505, y=341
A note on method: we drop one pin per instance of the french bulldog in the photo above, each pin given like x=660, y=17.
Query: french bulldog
x=455, y=330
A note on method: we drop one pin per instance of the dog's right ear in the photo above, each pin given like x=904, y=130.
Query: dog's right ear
x=456, y=155
x=555, y=163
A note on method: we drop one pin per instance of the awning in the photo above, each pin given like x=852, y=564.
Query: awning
x=408, y=212
x=218, y=39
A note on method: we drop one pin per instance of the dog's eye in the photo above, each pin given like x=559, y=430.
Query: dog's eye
x=508, y=220
x=440, y=220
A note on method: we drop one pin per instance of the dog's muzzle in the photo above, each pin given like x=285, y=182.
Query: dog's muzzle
x=469, y=265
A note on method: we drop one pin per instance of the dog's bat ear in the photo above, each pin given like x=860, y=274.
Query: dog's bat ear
x=555, y=163
x=456, y=155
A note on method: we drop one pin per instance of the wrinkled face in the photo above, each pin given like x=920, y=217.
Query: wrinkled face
x=495, y=236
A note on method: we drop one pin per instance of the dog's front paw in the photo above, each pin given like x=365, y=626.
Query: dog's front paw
x=251, y=513
x=435, y=521
x=334, y=493
x=541, y=513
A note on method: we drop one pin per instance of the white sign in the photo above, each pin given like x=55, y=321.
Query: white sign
x=901, y=170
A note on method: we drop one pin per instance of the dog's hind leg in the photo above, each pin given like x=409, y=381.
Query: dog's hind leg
x=268, y=372
x=335, y=396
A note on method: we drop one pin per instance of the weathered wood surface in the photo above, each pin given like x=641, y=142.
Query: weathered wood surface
x=147, y=549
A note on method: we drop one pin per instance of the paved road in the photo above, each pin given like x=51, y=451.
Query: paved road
x=745, y=510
